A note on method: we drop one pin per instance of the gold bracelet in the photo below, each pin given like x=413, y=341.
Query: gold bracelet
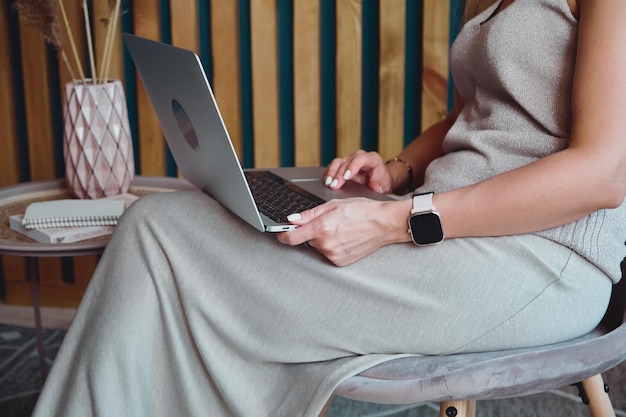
x=409, y=184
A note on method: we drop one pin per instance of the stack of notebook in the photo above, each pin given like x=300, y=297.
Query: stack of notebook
x=67, y=221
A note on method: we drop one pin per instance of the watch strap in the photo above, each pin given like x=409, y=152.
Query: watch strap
x=423, y=203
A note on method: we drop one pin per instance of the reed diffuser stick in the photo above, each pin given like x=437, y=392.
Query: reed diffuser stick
x=92, y=61
x=105, y=52
x=68, y=66
x=110, y=36
x=72, y=43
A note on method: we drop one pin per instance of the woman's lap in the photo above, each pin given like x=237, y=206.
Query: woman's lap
x=467, y=287
x=200, y=284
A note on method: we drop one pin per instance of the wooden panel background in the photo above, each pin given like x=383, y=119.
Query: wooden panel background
x=293, y=78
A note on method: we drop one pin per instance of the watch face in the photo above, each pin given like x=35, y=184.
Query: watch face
x=426, y=228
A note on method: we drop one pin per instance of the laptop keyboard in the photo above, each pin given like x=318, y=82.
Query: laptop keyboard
x=278, y=198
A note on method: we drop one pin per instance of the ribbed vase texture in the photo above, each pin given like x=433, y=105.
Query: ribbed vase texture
x=97, y=145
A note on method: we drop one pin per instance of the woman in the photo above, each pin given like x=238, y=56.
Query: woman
x=529, y=171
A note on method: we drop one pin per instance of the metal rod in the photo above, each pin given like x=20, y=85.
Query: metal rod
x=33, y=276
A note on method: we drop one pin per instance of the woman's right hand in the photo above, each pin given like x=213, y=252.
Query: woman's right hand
x=367, y=168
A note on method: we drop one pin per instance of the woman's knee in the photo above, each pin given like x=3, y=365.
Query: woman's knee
x=156, y=207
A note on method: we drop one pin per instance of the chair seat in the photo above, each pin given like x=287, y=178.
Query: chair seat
x=489, y=375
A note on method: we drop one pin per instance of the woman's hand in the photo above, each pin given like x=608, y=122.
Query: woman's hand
x=363, y=167
x=345, y=231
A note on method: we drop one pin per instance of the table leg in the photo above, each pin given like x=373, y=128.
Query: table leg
x=33, y=276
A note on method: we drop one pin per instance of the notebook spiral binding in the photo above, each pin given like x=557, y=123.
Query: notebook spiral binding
x=71, y=222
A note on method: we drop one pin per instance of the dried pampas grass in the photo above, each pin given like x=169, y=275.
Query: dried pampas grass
x=50, y=18
x=43, y=15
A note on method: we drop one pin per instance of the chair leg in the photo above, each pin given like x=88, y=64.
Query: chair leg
x=599, y=401
x=457, y=409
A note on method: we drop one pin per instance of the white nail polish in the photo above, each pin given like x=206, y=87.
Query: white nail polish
x=346, y=175
x=334, y=183
x=294, y=217
x=329, y=179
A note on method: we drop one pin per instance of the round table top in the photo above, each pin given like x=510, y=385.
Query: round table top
x=15, y=198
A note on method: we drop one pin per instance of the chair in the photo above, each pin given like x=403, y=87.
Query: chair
x=457, y=381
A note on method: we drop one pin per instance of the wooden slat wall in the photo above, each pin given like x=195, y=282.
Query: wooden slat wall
x=268, y=62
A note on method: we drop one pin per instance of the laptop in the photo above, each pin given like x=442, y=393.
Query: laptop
x=198, y=139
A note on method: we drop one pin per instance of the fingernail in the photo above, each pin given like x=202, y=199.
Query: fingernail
x=329, y=179
x=347, y=174
x=334, y=183
x=294, y=217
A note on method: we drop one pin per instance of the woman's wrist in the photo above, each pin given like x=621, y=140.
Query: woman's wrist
x=398, y=213
x=402, y=175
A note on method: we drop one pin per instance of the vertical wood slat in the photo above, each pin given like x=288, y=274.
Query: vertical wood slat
x=307, y=83
x=391, y=82
x=37, y=102
x=146, y=17
x=184, y=24
x=12, y=267
x=184, y=31
x=227, y=67
x=413, y=70
x=328, y=80
x=38, y=118
x=263, y=26
x=454, y=26
x=436, y=39
x=370, y=73
x=9, y=156
x=348, y=73
x=285, y=80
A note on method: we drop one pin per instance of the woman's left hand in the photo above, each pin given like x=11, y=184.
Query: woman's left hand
x=366, y=168
x=345, y=231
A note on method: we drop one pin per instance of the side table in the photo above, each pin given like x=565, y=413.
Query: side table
x=15, y=198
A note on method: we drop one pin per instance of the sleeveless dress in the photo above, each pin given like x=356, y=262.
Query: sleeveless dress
x=515, y=74
x=193, y=313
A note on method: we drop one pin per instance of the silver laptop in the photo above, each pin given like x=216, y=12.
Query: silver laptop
x=196, y=134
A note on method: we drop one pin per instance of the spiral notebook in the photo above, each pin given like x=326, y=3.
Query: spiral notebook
x=59, y=234
x=72, y=213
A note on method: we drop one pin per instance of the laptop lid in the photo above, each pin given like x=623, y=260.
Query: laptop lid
x=192, y=125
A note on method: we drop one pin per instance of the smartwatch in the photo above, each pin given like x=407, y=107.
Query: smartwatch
x=425, y=222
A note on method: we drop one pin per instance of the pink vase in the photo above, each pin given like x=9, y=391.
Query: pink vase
x=97, y=146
